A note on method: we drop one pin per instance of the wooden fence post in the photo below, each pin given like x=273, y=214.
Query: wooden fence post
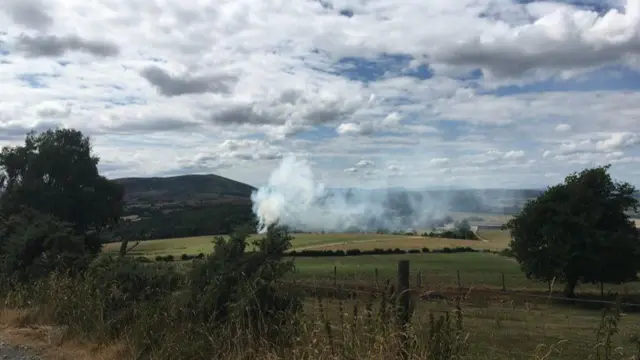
x=504, y=287
x=419, y=279
x=376, y=272
x=459, y=282
x=335, y=276
x=404, y=298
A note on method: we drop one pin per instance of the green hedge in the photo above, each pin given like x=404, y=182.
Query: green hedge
x=334, y=253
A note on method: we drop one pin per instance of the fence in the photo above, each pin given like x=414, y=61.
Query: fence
x=486, y=280
x=511, y=324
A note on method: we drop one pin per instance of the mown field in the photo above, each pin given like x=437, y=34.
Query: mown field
x=204, y=244
x=493, y=239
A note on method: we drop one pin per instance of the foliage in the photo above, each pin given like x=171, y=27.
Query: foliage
x=578, y=231
x=234, y=283
x=33, y=244
x=185, y=221
x=357, y=252
x=55, y=173
x=461, y=230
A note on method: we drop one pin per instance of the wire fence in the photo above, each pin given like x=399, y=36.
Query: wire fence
x=424, y=280
x=509, y=322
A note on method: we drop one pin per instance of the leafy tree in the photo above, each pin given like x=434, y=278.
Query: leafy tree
x=578, y=231
x=55, y=173
x=33, y=244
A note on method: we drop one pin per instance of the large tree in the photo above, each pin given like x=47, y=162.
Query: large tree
x=579, y=231
x=56, y=173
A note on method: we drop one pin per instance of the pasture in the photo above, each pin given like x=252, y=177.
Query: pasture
x=493, y=239
x=204, y=244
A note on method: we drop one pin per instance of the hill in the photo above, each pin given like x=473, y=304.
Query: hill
x=183, y=188
x=182, y=206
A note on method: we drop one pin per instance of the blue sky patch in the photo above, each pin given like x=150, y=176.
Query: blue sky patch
x=610, y=78
x=387, y=65
x=35, y=80
x=318, y=133
x=599, y=6
x=125, y=100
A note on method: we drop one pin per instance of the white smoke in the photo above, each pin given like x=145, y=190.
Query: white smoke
x=294, y=198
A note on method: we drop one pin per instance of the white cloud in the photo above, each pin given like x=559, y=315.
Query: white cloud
x=563, y=128
x=365, y=163
x=618, y=141
x=232, y=86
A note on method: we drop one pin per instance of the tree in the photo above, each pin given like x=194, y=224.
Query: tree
x=578, y=231
x=55, y=173
x=33, y=244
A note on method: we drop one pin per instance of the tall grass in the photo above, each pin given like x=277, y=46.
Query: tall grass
x=162, y=324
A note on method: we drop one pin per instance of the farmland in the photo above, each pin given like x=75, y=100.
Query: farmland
x=474, y=270
x=494, y=239
x=517, y=324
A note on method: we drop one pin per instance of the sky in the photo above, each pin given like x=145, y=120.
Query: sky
x=373, y=93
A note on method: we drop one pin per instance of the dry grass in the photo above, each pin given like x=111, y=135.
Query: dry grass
x=410, y=242
x=49, y=343
x=203, y=244
x=500, y=238
x=496, y=327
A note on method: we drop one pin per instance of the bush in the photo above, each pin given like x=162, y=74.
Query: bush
x=186, y=257
x=234, y=284
x=33, y=245
x=425, y=250
x=353, y=252
x=159, y=258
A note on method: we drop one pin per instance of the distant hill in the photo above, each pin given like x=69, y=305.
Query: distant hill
x=185, y=188
x=182, y=206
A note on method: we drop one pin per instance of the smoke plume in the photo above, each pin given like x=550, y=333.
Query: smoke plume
x=293, y=198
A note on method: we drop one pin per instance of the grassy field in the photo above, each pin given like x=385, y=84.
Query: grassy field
x=494, y=239
x=500, y=238
x=437, y=271
x=502, y=329
x=203, y=244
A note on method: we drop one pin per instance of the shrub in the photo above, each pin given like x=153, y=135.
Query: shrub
x=425, y=250
x=33, y=245
x=353, y=252
x=234, y=284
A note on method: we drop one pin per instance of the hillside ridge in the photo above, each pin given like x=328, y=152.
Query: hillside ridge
x=183, y=188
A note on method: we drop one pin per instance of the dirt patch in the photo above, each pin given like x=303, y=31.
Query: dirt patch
x=42, y=342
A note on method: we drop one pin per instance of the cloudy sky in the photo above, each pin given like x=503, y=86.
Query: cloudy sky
x=414, y=93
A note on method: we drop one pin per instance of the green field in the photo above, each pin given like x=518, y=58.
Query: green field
x=477, y=270
x=437, y=270
x=495, y=240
